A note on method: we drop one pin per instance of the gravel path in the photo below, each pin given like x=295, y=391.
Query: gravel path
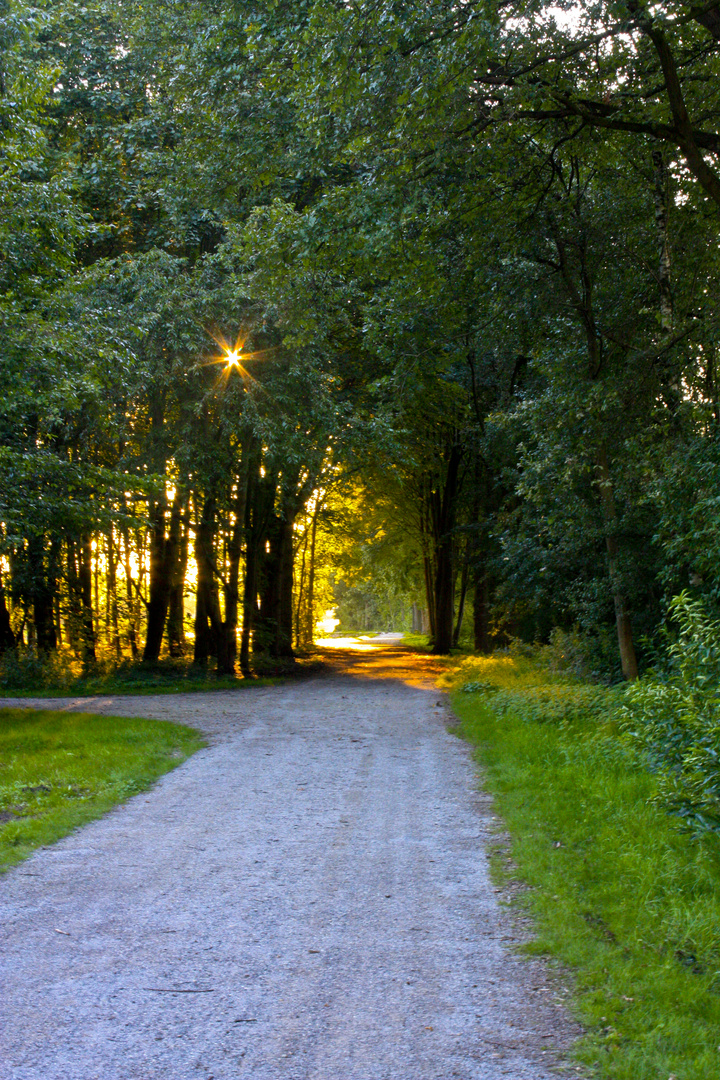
x=306, y=899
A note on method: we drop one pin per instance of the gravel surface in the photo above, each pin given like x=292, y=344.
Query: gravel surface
x=306, y=899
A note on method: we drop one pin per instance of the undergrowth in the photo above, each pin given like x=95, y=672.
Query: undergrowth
x=673, y=714
x=619, y=889
x=25, y=674
x=61, y=770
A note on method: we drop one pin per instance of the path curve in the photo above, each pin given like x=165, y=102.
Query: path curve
x=305, y=899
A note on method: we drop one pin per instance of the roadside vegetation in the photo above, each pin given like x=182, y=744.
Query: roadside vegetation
x=61, y=770
x=609, y=797
x=24, y=673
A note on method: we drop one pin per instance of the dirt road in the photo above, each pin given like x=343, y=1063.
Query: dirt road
x=306, y=899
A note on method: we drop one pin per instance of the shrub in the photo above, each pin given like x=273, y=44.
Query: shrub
x=674, y=716
x=24, y=669
x=670, y=718
x=584, y=655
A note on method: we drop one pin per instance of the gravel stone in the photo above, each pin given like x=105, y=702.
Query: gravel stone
x=307, y=898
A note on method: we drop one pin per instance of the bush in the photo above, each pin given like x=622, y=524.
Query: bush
x=674, y=716
x=24, y=669
x=586, y=656
x=670, y=718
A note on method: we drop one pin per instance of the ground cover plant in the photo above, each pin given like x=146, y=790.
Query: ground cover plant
x=25, y=674
x=61, y=770
x=620, y=889
x=416, y=641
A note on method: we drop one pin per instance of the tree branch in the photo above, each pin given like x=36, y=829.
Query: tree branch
x=707, y=176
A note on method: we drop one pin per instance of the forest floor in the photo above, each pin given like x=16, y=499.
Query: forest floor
x=306, y=898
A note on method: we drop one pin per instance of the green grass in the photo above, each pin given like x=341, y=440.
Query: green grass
x=618, y=892
x=61, y=770
x=421, y=643
x=416, y=641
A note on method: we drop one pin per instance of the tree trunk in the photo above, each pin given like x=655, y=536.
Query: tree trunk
x=7, y=638
x=176, y=599
x=429, y=595
x=444, y=612
x=464, y=579
x=95, y=566
x=87, y=628
x=232, y=587
x=661, y=225
x=268, y=588
x=428, y=569
x=159, y=589
x=623, y=622
x=273, y=628
x=42, y=585
x=203, y=587
x=266, y=537
x=164, y=553
x=282, y=644
x=481, y=612
x=159, y=584
x=73, y=621
x=582, y=301
x=310, y=617
x=249, y=591
x=299, y=621
x=212, y=637
x=114, y=625
x=131, y=631
x=256, y=518
x=443, y=526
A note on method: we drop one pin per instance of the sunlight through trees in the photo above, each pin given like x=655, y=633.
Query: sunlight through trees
x=408, y=314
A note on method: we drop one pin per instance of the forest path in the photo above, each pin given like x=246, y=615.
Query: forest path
x=305, y=899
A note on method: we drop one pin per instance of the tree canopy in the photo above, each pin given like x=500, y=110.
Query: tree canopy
x=392, y=307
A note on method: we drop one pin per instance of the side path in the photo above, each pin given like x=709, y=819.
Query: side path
x=305, y=899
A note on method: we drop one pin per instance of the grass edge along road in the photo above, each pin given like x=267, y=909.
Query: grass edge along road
x=61, y=770
x=617, y=891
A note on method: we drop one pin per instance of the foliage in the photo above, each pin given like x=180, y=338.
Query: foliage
x=374, y=560
x=591, y=656
x=689, y=512
x=25, y=674
x=674, y=716
x=473, y=268
x=24, y=669
x=670, y=715
x=61, y=770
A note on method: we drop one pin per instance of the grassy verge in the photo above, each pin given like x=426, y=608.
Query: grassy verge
x=421, y=642
x=617, y=890
x=61, y=770
x=416, y=641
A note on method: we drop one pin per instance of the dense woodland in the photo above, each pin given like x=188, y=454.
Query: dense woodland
x=308, y=303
